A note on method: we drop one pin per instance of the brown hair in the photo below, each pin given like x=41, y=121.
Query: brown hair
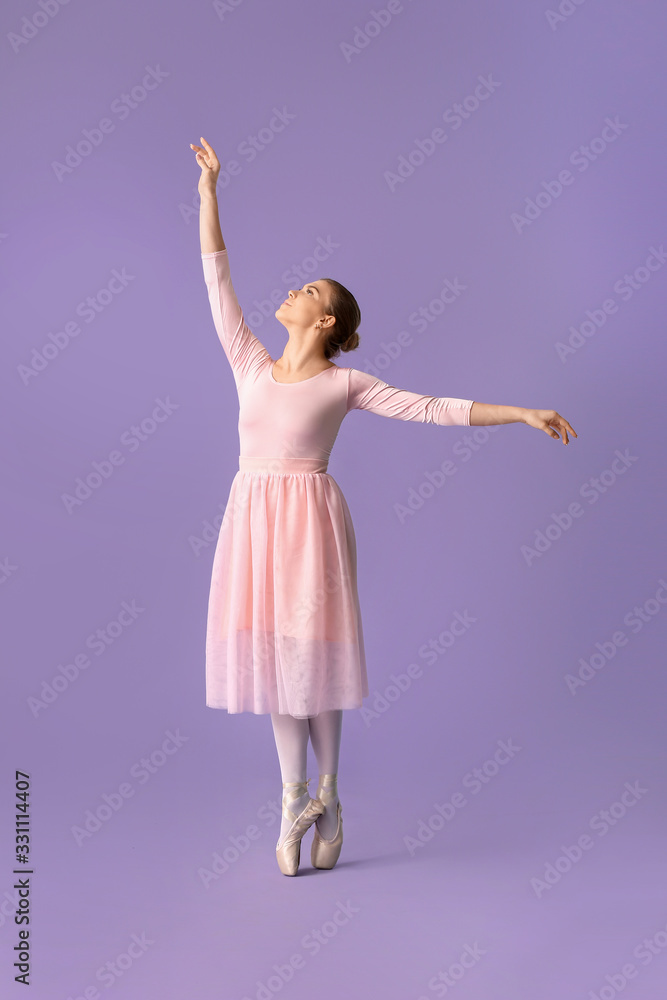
x=345, y=309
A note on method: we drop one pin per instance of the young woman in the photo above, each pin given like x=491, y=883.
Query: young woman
x=284, y=634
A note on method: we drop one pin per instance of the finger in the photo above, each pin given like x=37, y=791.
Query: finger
x=560, y=424
x=209, y=150
x=565, y=426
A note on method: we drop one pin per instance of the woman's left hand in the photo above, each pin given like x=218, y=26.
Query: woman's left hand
x=550, y=422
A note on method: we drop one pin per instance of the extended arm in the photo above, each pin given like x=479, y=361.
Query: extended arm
x=550, y=421
x=483, y=414
x=365, y=392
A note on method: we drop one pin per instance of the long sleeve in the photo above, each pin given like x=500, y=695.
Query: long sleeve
x=365, y=392
x=243, y=349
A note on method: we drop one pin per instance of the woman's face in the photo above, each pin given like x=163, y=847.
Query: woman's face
x=304, y=307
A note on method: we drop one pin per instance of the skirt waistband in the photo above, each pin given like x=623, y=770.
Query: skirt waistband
x=282, y=465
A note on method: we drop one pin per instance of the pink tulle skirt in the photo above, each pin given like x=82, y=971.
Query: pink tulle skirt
x=284, y=627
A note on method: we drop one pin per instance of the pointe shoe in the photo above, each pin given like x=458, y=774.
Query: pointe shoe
x=325, y=853
x=288, y=851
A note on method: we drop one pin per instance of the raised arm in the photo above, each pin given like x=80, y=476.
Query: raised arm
x=210, y=234
x=365, y=392
x=244, y=350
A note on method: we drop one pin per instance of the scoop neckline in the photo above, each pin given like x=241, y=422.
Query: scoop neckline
x=299, y=381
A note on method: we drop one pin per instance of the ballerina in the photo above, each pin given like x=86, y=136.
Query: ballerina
x=284, y=633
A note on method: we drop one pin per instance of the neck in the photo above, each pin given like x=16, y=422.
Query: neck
x=297, y=359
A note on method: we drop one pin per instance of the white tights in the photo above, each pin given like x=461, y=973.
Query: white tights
x=292, y=735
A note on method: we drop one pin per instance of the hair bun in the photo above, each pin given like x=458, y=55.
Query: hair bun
x=345, y=309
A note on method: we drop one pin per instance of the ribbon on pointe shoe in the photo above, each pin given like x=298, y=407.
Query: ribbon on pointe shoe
x=302, y=822
x=327, y=789
x=325, y=853
x=289, y=851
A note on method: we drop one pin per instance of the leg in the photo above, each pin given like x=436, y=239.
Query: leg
x=325, y=735
x=291, y=737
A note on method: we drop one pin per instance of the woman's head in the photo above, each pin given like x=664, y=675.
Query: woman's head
x=327, y=307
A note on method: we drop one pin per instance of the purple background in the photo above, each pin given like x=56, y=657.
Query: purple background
x=131, y=204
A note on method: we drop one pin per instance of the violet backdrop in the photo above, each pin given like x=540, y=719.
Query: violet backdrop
x=488, y=179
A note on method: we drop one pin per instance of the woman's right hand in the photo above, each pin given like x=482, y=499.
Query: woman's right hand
x=210, y=167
